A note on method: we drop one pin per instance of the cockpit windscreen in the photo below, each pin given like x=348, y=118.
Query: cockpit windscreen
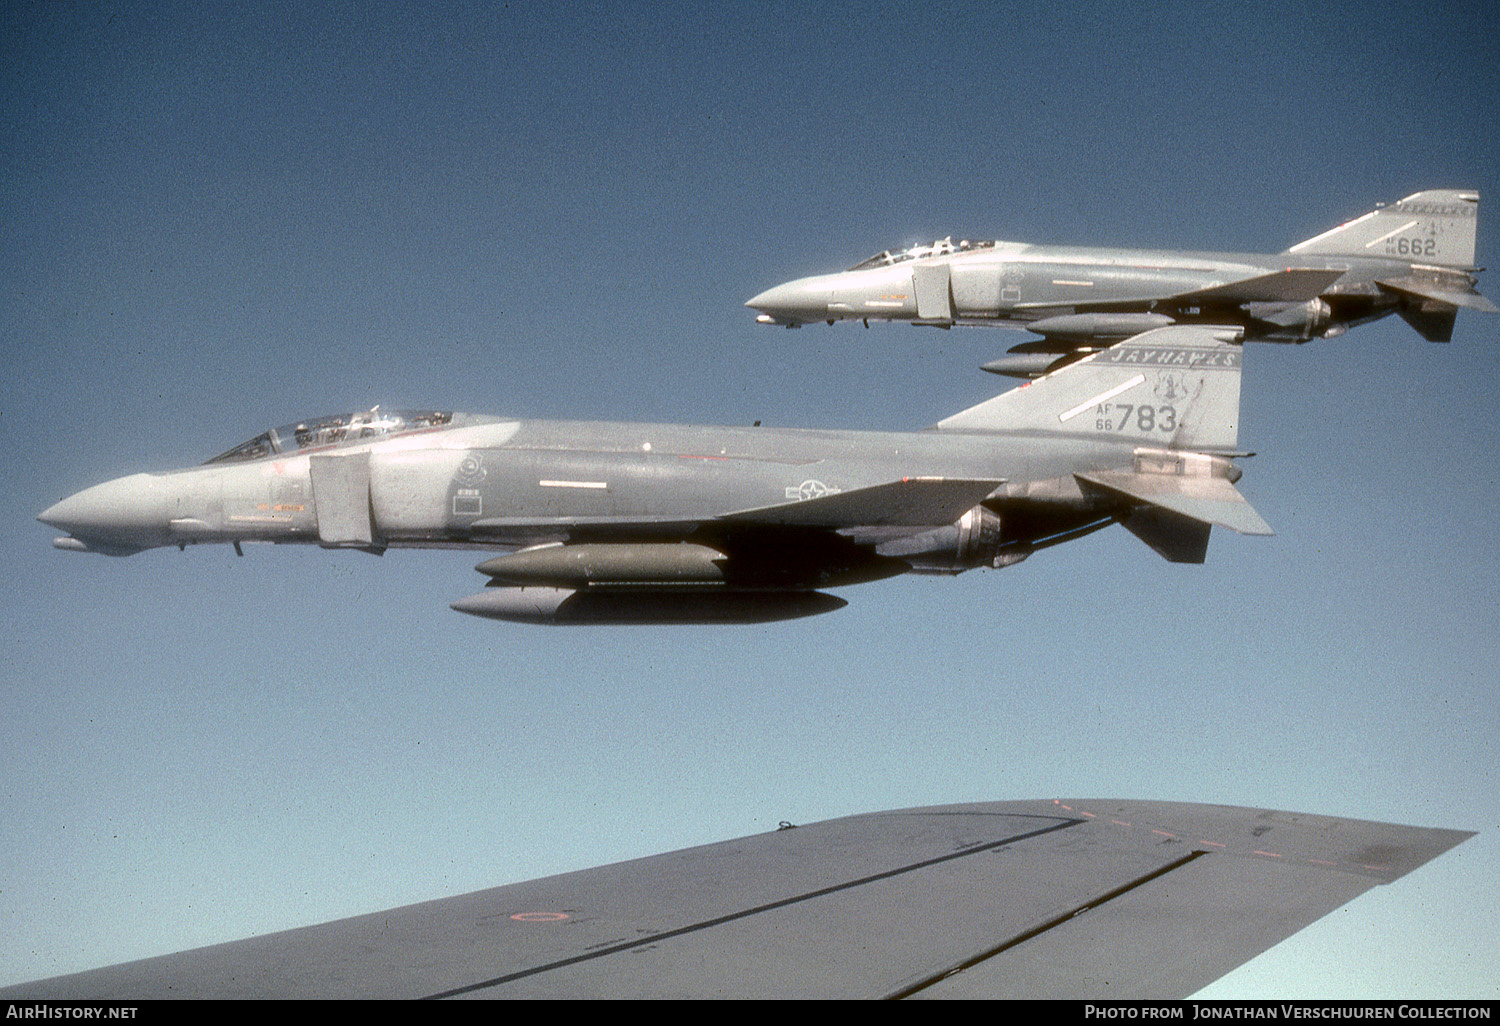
x=325, y=431
x=942, y=247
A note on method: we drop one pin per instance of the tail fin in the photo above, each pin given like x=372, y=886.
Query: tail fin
x=1434, y=227
x=1170, y=388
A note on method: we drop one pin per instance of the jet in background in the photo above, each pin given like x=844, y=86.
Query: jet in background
x=1414, y=258
x=634, y=523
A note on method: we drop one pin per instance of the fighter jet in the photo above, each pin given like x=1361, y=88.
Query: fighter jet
x=635, y=523
x=1414, y=258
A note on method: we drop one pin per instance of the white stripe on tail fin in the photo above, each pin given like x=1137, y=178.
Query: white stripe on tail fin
x=1175, y=388
x=1434, y=227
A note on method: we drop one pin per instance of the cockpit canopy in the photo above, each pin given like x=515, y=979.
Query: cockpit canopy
x=942, y=247
x=325, y=431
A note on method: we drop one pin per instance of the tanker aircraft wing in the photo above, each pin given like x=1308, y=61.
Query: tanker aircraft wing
x=960, y=901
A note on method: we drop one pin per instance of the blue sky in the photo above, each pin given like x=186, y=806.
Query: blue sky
x=218, y=218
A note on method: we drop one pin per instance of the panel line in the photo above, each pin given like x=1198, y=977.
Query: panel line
x=1043, y=927
x=769, y=906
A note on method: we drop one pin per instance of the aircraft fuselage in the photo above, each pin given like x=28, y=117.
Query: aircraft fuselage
x=648, y=523
x=1016, y=285
x=1413, y=258
x=483, y=482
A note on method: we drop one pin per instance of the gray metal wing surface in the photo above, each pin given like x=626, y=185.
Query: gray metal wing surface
x=1067, y=899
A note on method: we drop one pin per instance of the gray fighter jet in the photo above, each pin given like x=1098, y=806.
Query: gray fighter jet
x=633, y=523
x=1414, y=258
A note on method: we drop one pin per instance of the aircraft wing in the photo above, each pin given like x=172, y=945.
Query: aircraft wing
x=1293, y=285
x=1290, y=285
x=909, y=502
x=1211, y=500
x=913, y=502
x=1101, y=898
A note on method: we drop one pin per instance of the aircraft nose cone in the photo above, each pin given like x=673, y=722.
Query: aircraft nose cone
x=128, y=512
x=805, y=299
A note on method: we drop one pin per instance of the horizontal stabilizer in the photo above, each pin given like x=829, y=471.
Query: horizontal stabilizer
x=909, y=502
x=1209, y=500
x=1435, y=325
x=1172, y=536
x=1293, y=285
x=1421, y=289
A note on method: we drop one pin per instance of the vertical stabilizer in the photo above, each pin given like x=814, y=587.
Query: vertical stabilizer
x=1174, y=388
x=1434, y=227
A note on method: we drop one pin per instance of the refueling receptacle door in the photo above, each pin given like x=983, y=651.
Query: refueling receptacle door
x=341, y=496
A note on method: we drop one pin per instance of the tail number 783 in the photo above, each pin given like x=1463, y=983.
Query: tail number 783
x=1144, y=419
